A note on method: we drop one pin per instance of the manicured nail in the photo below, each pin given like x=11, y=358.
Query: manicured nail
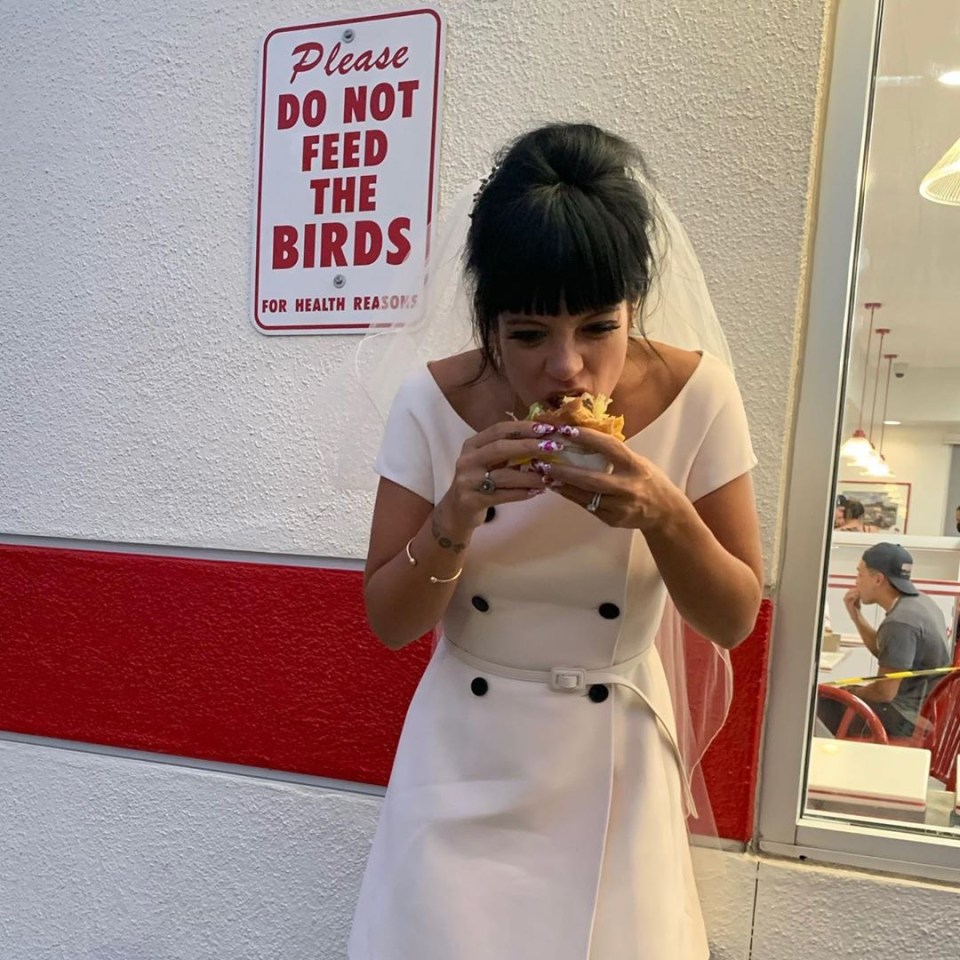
x=535, y=493
x=550, y=446
x=567, y=431
x=541, y=428
x=540, y=466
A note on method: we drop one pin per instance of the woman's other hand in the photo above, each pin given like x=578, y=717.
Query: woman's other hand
x=636, y=494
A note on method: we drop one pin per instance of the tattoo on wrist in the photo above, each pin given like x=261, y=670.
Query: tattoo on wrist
x=444, y=542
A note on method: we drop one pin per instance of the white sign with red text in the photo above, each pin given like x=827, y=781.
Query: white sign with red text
x=349, y=128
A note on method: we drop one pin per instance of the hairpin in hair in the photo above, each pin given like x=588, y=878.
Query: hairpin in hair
x=484, y=183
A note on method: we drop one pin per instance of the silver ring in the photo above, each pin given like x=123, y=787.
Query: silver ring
x=487, y=485
x=594, y=504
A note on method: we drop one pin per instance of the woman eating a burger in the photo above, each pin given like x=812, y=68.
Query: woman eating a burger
x=557, y=500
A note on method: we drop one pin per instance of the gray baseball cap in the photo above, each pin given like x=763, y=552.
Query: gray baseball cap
x=894, y=563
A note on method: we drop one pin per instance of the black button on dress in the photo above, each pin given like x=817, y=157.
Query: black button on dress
x=599, y=692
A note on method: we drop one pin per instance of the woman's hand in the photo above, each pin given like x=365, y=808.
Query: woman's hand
x=708, y=552
x=636, y=494
x=487, y=475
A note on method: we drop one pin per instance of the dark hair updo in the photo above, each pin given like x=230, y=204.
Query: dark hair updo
x=561, y=224
x=854, y=510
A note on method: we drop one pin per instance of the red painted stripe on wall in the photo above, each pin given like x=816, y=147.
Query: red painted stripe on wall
x=248, y=663
x=731, y=763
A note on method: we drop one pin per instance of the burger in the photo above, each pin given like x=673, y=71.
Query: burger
x=581, y=410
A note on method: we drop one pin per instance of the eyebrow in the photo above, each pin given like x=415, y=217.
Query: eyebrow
x=516, y=319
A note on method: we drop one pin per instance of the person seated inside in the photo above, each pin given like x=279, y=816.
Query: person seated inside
x=854, y=518
x=839, y=511
x=912, y=636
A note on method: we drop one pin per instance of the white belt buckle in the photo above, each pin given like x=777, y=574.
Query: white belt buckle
x=566, y=680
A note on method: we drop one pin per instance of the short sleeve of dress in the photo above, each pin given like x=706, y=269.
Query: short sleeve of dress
x=726, y=451
x=404, y=455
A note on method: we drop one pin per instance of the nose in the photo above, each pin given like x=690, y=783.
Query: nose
x=564, y=362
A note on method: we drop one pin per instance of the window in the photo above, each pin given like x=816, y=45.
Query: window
x=880, y=345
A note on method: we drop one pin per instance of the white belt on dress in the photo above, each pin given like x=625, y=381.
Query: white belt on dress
x=578, y=680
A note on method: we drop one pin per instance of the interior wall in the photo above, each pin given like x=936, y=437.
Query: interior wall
x=953, y=494
x=918, y=456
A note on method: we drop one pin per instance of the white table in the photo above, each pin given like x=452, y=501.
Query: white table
x=869, y=779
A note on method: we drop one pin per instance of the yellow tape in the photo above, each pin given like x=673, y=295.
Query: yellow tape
x=900, y=675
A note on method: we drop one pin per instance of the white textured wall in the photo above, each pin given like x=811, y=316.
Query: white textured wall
x=108, y=858
x=806, y=912
x=139, y=403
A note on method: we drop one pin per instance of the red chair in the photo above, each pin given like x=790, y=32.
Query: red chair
x=938, y=730
x=854, y=708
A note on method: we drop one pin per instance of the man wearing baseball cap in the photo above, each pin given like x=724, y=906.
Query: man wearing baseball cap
x=912, y=636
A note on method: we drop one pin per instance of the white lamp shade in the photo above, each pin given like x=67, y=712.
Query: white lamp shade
x=942, y=183
x=856, y=447
x=879, y=468
x=868, y=459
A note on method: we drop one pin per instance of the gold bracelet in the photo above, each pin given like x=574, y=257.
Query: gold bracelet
x=413, y=563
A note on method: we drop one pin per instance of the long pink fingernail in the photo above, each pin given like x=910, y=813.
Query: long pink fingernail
x=551, y=446
x=541, y=428
x=535, y=493
x=567, y=431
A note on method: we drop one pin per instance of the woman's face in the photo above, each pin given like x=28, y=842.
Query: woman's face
x=544, y=357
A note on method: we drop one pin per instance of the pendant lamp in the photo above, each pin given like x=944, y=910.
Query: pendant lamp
x=942, y=183
x=857, y=446
x=880, y=467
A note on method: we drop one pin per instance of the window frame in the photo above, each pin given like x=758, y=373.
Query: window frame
x=782, y=827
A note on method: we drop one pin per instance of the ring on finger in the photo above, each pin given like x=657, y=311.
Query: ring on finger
x=487, y=484
x=594, y=504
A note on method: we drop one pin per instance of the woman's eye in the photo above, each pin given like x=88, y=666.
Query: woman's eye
x=526, y=336
x=599, y=329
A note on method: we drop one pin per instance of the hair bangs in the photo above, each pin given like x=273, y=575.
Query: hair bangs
x=564, y=256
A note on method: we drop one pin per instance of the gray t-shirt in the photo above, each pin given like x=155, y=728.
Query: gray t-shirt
x=912, y=636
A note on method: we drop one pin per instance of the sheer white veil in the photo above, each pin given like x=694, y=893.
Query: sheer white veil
x=677, y=310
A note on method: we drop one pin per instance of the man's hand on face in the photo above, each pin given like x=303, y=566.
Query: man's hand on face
x=851, y=600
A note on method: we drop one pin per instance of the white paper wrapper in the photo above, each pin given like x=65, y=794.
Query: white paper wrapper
x=578, y=456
